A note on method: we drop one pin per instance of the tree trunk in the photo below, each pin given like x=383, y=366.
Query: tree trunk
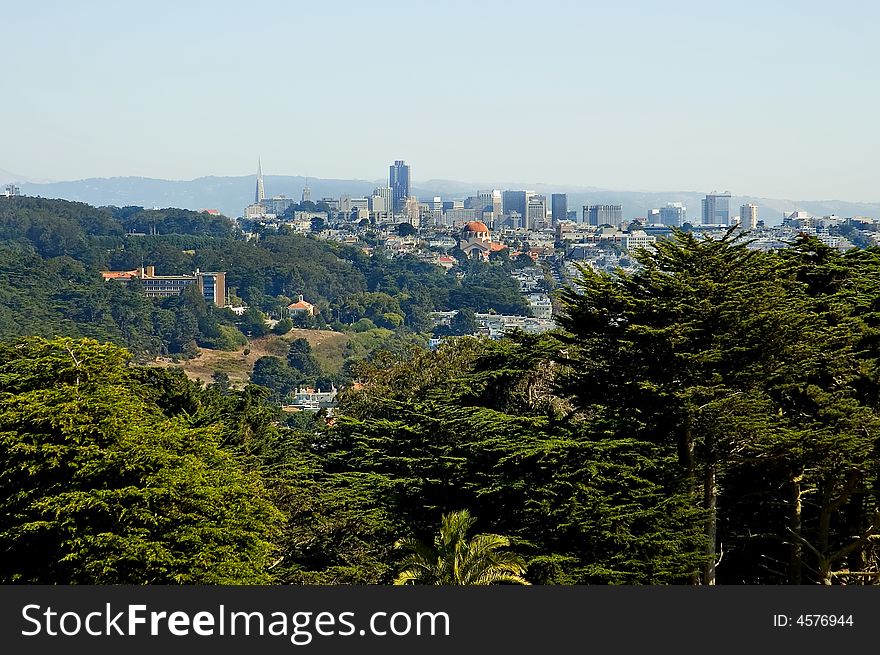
x=825, y=576
x=686, y=461
x=795, y=519
x=710, y=503
x=686, y=448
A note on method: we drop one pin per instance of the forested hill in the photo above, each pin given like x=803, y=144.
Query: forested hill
x=51, y=252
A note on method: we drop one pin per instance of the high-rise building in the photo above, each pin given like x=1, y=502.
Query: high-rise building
x=514, y=201
x=277, y=204
x=12, y=190
x=260, y=193
x=674, y=214
x=384, y=192
x=603, y=215
x=490, y=206
x=558, y=207
x=398, y=181
x=307, y=193
x=748, y=216
x=411, y=209
x=536, y=212
x=716, y=209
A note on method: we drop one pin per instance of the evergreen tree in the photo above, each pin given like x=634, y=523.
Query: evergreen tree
x=99, y=486
x=301, y=358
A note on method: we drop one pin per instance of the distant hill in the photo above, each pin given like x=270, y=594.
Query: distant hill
x=6, y=177
x=231, y=194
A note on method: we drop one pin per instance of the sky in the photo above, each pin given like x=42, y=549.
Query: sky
x=771, y=98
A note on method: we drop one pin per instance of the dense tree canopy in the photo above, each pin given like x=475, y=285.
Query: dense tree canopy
x=99, y=486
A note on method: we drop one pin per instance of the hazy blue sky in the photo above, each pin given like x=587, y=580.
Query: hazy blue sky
x=776, y=99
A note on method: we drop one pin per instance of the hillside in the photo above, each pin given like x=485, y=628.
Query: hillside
x=328, y=347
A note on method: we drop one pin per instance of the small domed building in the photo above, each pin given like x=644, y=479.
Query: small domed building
x=476, y=241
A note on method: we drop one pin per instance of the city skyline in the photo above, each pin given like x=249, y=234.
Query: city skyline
x=104, y=100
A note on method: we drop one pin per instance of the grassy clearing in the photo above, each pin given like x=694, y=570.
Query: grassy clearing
x=329, y=348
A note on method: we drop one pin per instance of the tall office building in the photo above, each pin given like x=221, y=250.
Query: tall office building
x=386, y=194
x=514, y=201
x=398, y=181
x=260, y=193
x=536, y=212
x=603, y=215
x=748, y=217
x=491, y=201
x=558, y=207
x=674, y=214
x=716, y=209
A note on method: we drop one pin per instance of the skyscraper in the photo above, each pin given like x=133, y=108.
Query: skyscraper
x=260, y=194
x=716, y=209
x=558, y=207
x=603, y=215
x=386, y=193
x=536, y=212
x=748, y=217
x=398, y=180
x=674, y=214
x=515, y=201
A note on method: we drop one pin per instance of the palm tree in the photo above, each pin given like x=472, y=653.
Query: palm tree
x=457, y=560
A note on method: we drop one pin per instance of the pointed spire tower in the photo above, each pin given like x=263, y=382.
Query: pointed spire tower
x=260, y=194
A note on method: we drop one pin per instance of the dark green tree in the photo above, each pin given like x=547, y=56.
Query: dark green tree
x=301, y=358
x=98, y=486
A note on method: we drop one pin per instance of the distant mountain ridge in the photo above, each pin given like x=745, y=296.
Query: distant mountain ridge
x=232, y=194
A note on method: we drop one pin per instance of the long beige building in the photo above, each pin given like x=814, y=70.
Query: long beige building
x=212, y=285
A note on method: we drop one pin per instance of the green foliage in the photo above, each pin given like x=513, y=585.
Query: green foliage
x=301, y=359
x=283, y=326
x=748, y=369
x=475, y=424
x=98, y=486
x=274, y=374
x=69, y=298
x=463, y=323
x=457, y=560
x=405, y=230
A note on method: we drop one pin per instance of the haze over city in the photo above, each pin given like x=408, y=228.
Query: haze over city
x=766, y=100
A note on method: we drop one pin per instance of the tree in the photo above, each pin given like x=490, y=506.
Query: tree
x=253, y=323
x=720, y=355
x=220, y=382
x=463, y=323
x=283, y=326
x=274, y=373
x=476, y=423
x=457, y=560
x=301, y=358
x=405, y=230
x=99, y=486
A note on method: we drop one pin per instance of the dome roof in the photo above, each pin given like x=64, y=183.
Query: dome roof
x=475, y=226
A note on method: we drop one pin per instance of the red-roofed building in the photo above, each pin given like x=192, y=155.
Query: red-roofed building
x=476, y=241
x=302, y=307
x=446, y=261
